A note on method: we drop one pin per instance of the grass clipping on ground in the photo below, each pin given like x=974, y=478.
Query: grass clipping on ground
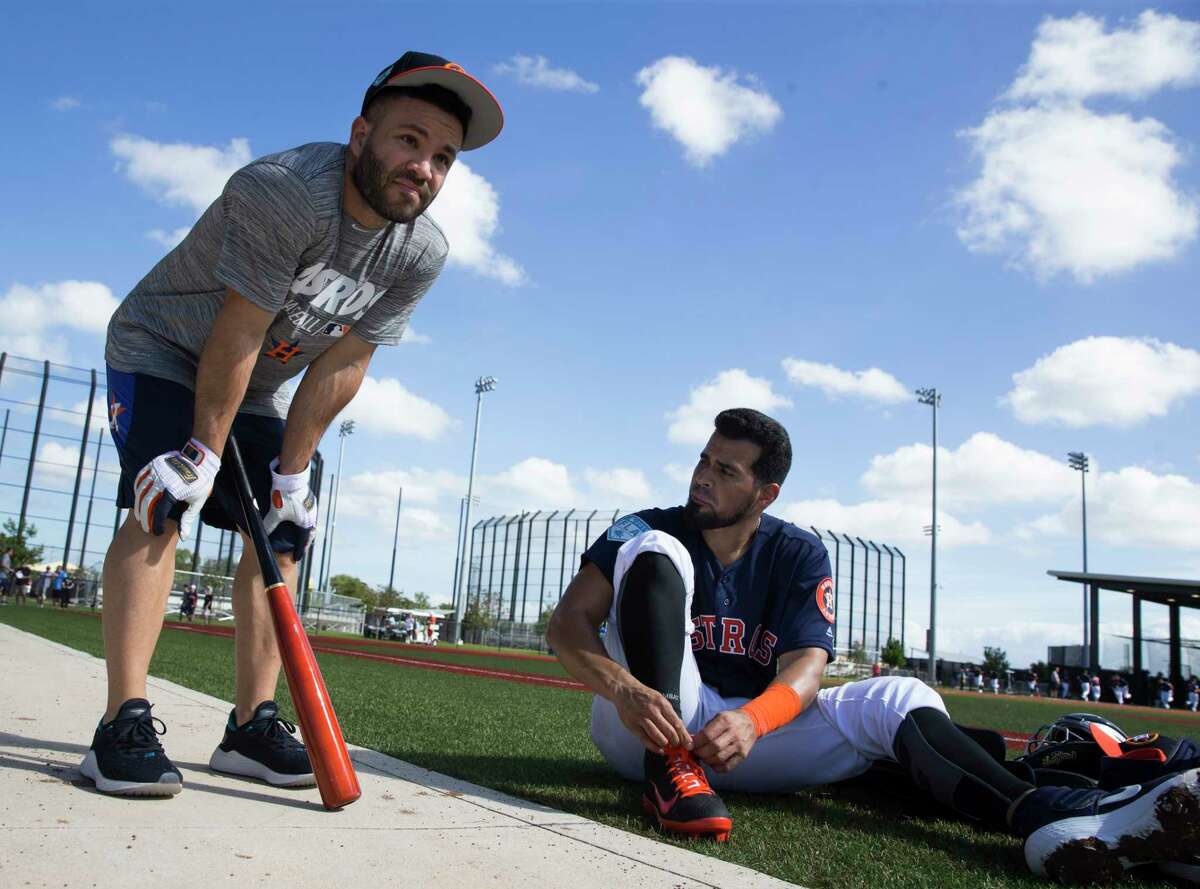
x=532, y=742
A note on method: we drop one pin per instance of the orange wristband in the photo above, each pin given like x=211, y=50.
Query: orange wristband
x=776, y=706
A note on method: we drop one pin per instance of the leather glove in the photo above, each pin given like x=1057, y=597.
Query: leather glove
x=185, y=476
x=290, y=521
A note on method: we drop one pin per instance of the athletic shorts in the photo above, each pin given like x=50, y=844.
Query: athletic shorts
x=149, y=416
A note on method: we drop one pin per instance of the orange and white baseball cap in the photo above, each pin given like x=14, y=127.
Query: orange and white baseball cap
x=485, y=117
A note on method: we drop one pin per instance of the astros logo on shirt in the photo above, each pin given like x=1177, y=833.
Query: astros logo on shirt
x=825, y=600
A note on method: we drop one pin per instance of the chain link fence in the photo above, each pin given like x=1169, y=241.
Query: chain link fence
x=518, y=567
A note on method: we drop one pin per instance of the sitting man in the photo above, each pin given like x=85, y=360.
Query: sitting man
x=720, y=622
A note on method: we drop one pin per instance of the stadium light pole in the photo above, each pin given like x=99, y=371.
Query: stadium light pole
x=1078, y=460
x=932, y=398
x=345, y=430
x=482, y=385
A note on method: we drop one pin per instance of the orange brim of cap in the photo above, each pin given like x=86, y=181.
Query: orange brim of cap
x=487, y=117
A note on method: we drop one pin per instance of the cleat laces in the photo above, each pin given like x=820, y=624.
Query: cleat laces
x=277, y=732
x=685, y=774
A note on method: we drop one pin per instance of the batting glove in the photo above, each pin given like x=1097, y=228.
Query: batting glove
x=183, y=476
x=290, y=521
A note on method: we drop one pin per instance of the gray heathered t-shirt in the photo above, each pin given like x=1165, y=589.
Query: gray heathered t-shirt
x=278, y=236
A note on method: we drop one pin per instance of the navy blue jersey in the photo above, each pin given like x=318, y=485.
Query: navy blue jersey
x=776, y=598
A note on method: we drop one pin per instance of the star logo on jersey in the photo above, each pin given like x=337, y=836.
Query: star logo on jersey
x=115, y=409
x=283, y=351
x=825, y=603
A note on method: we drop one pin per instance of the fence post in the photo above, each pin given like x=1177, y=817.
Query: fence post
x=903, y=591
x=37, y=430
x=563, y=563
x=850, y=638
x=528, y=553
x=4, y=434
x=87, y=522
x=891, y=590
x=196, y=546
x=512, y=608
x=87, y=425
x=545, y=556
x=866, y=599
x=878, y=595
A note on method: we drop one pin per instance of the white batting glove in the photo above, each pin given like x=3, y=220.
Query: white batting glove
x=290, y=521
x=183, y=476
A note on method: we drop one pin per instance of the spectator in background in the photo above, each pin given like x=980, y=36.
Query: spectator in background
x=43, y=586
x=978, y=676
x=208, y=602
x=1164, y=692
x=410, y=628
x=187, y=602
x=1055, y=683
x=56, y=587
x=1035, y=683
x=995, y=683
x=68, y=590
x=22, y=580
x=1193, y=694
x=1120, y=688
x=1095, y=688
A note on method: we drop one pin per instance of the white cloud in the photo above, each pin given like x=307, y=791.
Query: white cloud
x=32, y=315
x=538, y=72
x=677, y=472
x=706, y=110
x=1078, y=58
x=385, y=405
x=169, y=239
x=373, y=495
x=1129, y=508
x=885, y=521
x=179, y=173
x=984, y=470
x=65, y=103
x=468, y=209
x=692, y=423
x=415, y=339
x=1063, y=189
x=872, y=384
x=1104, y=380
x=619, y=486
x=534, y=483
x=59, y=461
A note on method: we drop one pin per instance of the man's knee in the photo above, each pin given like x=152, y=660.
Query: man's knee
x=911, y=694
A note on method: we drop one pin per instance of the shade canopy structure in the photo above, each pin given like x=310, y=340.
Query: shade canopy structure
x=1175, y=593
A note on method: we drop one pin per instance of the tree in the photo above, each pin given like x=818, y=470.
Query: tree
x=446, y=606
x=858, y=652
x=183, y=559
x=420, y=600
x=995, y=660
x=893, y=654
x=348, y=585
x=543, y=622
x=477, y=618
x=23, y=551
x=1042, y=669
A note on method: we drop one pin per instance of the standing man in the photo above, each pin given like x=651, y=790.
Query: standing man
x=308, y=261
x=721, y=620
x=208, y=602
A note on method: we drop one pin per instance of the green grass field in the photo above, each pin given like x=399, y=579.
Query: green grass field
x=532, y=742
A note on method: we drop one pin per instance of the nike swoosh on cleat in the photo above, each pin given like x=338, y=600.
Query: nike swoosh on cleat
x=664, y=805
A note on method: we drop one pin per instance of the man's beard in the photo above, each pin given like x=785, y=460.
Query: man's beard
x=372, y=180
x=713, y=520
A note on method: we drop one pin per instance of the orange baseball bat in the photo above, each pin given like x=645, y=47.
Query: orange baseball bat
x=319, y=726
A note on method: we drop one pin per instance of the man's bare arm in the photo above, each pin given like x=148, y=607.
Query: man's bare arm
x=226, y=363
x=573, y=634
x=328, y=385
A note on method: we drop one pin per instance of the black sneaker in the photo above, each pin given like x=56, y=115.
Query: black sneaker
x=125, y=757
x=678, y=797
x=264, y=748
x=1084, y=836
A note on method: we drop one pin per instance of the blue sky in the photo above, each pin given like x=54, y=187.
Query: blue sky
x=948, y=195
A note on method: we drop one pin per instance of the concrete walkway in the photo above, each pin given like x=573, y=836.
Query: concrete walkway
x=412, y=827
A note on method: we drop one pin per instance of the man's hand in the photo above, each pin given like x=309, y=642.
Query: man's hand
x=293, y=514
x=651, y=718
x=725, y=742
x=183, y=476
